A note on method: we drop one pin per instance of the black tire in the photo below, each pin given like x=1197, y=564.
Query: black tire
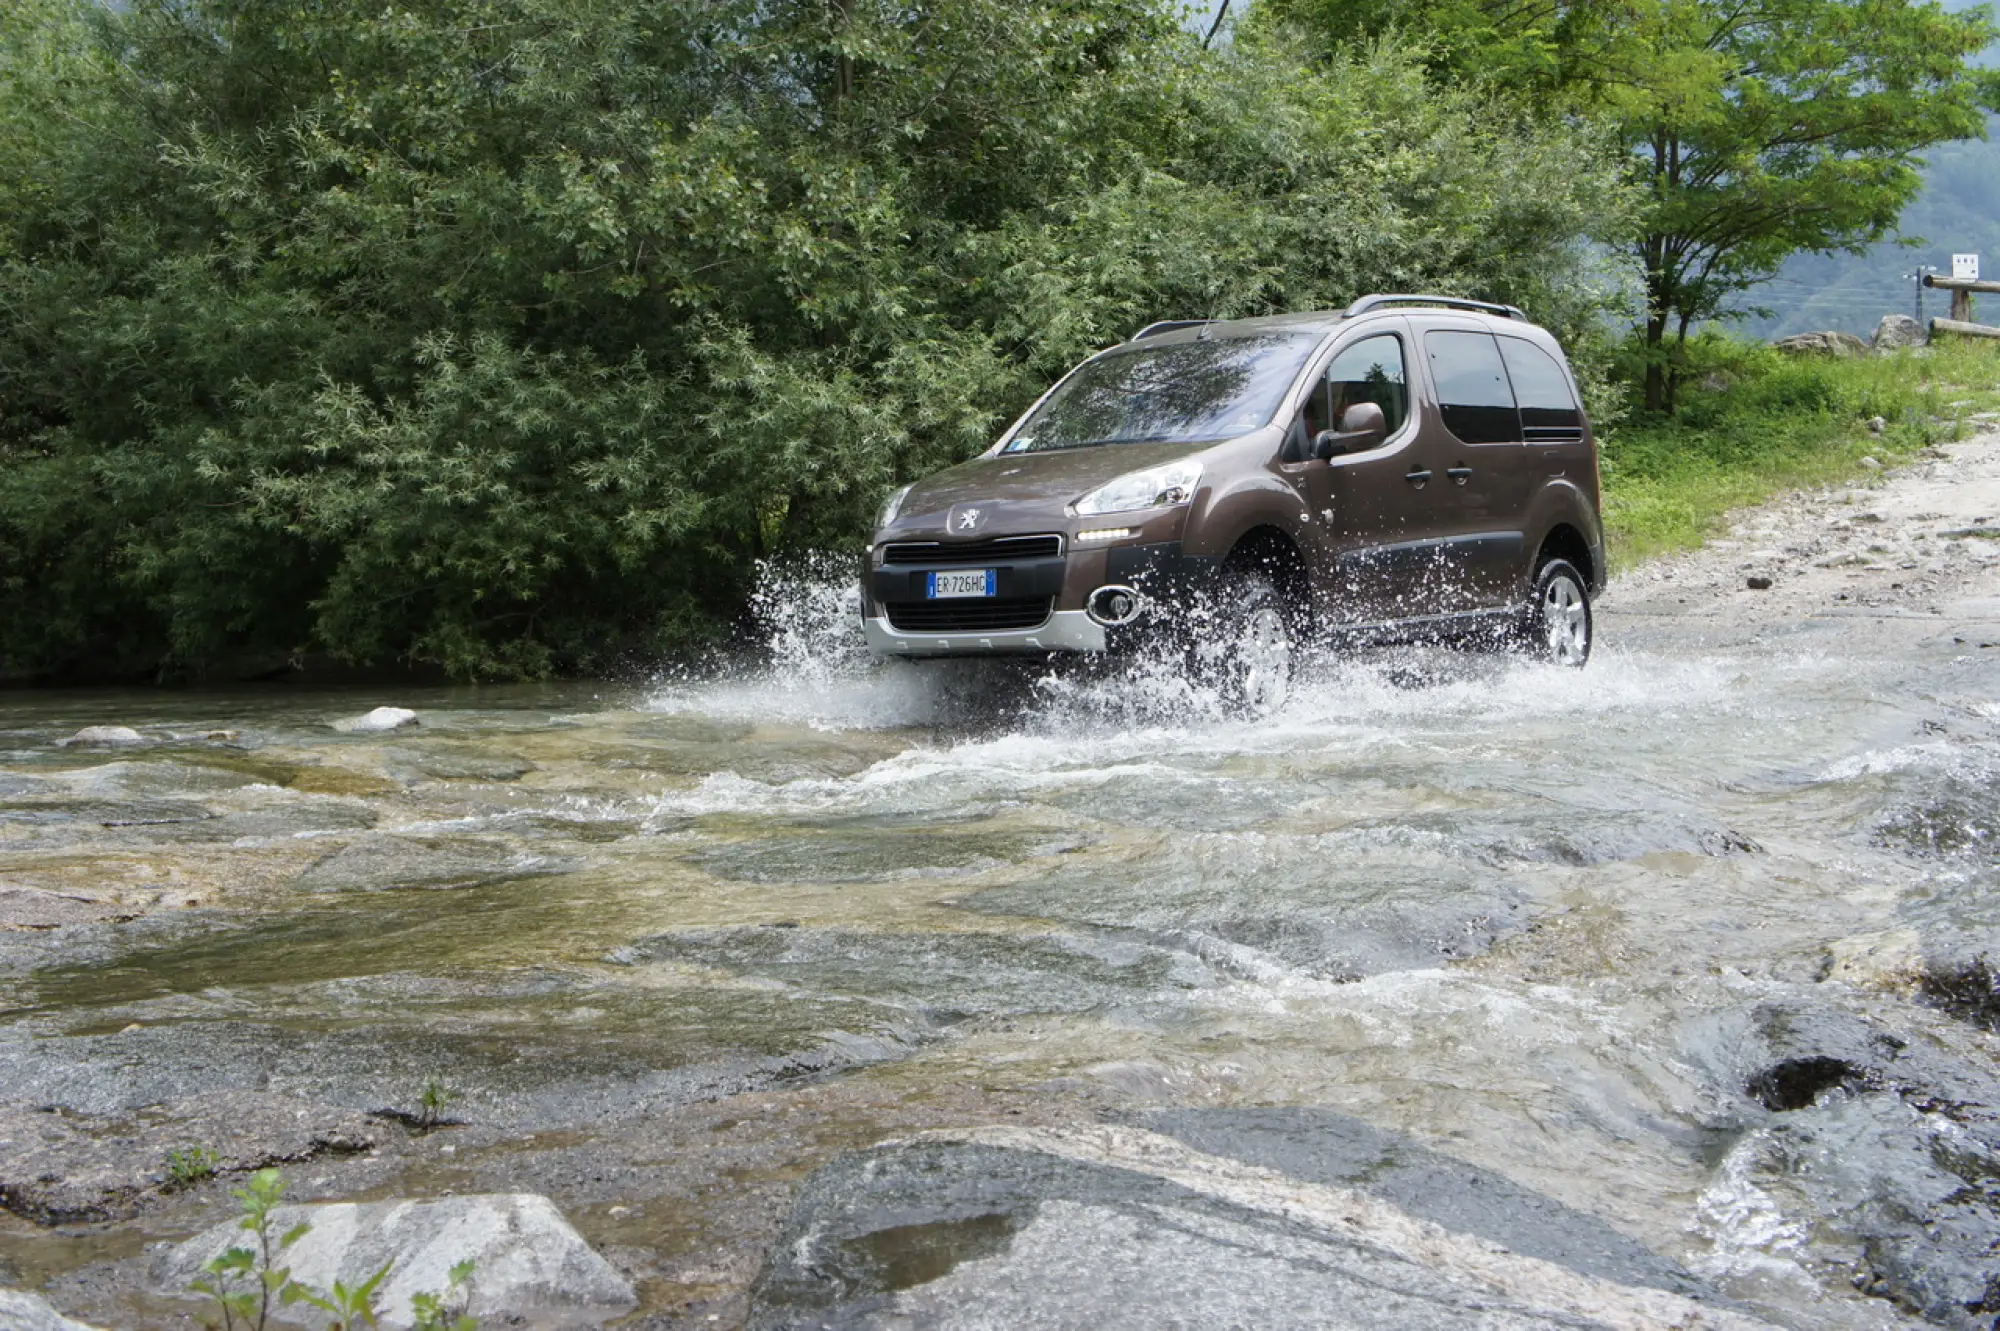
x=1557, y=625
x=1242, y=643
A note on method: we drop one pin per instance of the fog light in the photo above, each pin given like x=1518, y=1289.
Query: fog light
x=1106, y=534
x=1114, y=605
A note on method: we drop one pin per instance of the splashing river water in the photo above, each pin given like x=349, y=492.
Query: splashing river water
x=1659, y=943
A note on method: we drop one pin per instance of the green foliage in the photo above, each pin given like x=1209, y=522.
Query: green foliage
x=507, y=335
x=242, y=1282
x=1755, y=421
x=432, y=1102
x=189, y=1165
x=1756, y=128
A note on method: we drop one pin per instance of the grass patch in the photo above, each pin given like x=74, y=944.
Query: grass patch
x=1755, y=422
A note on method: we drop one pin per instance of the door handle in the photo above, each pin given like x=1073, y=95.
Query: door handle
x=1459, y=475
x=1417, y=477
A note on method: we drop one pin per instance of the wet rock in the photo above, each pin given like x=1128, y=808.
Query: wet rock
x=58, y=1168
x=1757, y=582
x=1890, y=1140
x=375, y=722
x=384, y=863
x=105, y=813
x=104, y=737
x=860, y=856
x=1897, y=331
x=529, y=1264
x=1828, y=343
x=1337, y=1150
x=21, y=1311
x=1968, y=990
x=1116, y=1227
x=946, y=976
x=455, y=763
x=33, y=908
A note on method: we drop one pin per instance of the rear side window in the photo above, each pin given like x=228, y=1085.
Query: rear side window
x=1472, y=387
x=1548, y=406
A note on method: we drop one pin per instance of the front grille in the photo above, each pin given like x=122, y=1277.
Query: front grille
x=997, y=550
x=974, y=614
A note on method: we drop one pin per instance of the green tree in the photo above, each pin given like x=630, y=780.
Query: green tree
x=1757, y=128
x=507, y=335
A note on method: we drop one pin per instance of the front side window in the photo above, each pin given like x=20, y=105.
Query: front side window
x=1548, y=406
x=1472, y=387
x=1185, y=392
x=1370, y=371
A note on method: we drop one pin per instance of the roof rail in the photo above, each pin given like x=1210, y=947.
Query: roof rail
x=1376, y=302
x=1169, y=326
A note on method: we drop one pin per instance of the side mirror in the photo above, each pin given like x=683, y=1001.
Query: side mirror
x=1362, y=427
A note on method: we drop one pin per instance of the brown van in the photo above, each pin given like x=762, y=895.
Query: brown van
x=1412, y=466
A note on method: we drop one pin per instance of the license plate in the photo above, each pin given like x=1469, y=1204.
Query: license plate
x=971, y=582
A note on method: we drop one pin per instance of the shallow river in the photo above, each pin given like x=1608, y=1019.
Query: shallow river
x=1585, y=932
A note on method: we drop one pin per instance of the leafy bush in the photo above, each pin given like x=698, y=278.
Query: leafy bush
x=507, y=335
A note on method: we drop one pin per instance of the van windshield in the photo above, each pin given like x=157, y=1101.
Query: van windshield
x=1183, y=392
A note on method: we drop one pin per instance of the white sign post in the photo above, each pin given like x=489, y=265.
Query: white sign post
x=1965, y=266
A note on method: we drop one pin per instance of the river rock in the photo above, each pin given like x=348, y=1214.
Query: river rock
x=377, y=721
x=529, y=1264
x=1115, y=1227
x=1897, y=331
x=1875, y=1132
x=34, y=908
x=21, y=1311
x=104, y=737
x=64, y=1168
x=1827, y=343
x=384, y=862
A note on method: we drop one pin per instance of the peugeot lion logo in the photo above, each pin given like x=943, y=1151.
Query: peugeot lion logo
x=966, y=519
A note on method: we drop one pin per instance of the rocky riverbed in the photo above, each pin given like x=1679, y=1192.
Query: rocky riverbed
x=1461, y=991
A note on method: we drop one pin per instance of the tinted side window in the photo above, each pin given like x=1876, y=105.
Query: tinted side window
x=1548, y=407
x=1472, y=387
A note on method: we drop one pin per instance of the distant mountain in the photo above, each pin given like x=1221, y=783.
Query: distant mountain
x=1958, y=212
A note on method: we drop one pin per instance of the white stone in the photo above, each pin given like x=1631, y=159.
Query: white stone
x=528, y=1262
x=30, y=1312
x=381, y=719
x=111, y=737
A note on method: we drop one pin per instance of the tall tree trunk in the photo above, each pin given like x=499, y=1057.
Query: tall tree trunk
x=843, y=64
x=1659, y=297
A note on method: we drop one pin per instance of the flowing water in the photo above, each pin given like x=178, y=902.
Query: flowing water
x=1556, y=925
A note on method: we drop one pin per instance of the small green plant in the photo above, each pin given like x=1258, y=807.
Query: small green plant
x=189, y=1165
x=432, y=1102
x=445, y=1312
x=244, y=1282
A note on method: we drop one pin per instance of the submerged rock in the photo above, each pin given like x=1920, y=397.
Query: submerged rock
x=529, y=1264
x=377, y=721
x=104, y=737
x=384, y=862
x=21, y=1311
x=59, y=1168
x=1115, y=1227
x=33, y=908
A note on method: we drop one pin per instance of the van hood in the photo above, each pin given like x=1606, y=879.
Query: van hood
x=1040, y=483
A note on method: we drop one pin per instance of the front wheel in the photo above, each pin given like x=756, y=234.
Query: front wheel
x=1244, y=649
x=1556, y=626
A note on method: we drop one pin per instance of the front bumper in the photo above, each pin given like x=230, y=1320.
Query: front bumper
x=1065, y=631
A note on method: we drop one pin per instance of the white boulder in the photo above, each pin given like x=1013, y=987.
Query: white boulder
x=528, y=1262
x=20, y=1311
x=377, y=721
x=104, y=737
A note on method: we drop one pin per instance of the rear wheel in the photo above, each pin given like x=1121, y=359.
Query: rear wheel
x=1556, y=626
x=1243, y=647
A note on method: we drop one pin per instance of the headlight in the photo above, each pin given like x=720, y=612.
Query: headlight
x=1155, y=487
x=894, y=505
